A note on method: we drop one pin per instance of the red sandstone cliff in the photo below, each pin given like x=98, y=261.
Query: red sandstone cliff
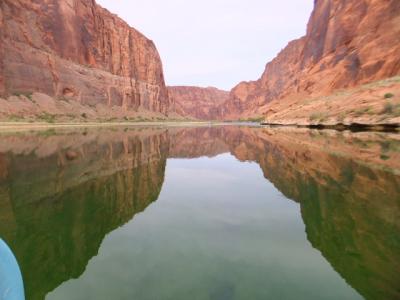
x=196, y=102
x=77, y=50
x=348, y=43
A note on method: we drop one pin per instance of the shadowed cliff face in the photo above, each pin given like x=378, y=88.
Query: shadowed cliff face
x=78, y=51
x=62, y=193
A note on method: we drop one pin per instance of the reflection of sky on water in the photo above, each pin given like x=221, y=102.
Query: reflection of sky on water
x=218, y=230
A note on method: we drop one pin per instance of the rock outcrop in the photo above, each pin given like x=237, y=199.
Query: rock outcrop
x=197, y=102
x=75, y=50
x=348, y=43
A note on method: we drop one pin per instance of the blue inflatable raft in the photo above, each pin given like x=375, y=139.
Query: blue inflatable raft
x=11, y=284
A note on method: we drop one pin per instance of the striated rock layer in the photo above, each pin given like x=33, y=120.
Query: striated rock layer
x=197, y=102
x=77, y=50
x=348, y=43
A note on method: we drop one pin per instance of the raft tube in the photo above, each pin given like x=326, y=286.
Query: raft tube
x=11, y=284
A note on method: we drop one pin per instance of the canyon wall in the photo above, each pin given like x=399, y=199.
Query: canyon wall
x=348, y=43
x=77, y=50
x=197, y=102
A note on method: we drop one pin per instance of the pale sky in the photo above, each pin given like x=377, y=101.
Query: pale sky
x=215, y=42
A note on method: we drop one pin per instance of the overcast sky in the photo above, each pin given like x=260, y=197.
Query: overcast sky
x=215, y=42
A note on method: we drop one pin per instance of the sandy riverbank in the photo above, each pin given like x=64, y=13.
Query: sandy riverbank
x=25, y=126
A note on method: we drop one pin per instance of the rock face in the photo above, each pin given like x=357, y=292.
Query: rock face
x=196, y=102
x=348, y=43
x=76, y=50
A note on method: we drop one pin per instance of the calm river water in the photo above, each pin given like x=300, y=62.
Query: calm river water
x=223, y=212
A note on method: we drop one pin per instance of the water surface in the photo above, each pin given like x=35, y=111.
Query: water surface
x=203, y=213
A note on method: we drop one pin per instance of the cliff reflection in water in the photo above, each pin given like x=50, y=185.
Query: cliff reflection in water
x=56, y=211
x=62, y=193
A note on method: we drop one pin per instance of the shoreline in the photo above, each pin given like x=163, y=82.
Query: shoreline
x=354, y=127
x=25, y=126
